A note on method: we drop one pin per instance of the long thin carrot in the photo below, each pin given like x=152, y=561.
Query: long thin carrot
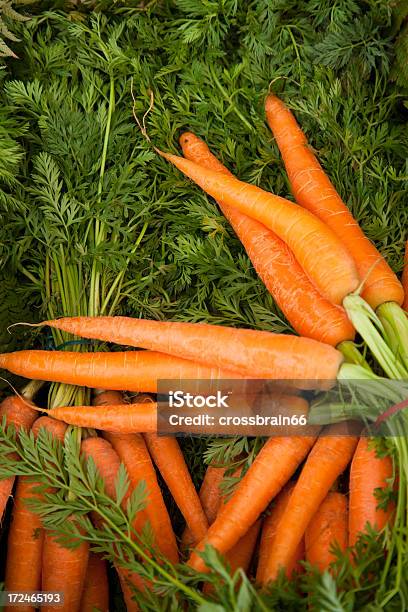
x=327, y=460
x=269, y=529
x=115, y=418
x=24, y=545
x=328, y=528
x=272, y=468
x=210, y=498
x=64, y=569
x=309, y=313
x=131, y=371
x=17, y=412
x=249, y=352
x=368, y=472
x=167, y=455
x=314, y=191
x=316, y=247
x=95, y=595
x=405, y=278
x=133, y=453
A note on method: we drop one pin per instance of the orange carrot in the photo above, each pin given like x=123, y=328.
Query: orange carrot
x=405, y=278
x=327, y=262
x=269, y=529
x=168, y=457
x=115, y=418
x=64, y=569
x=327, y=528
x=133, y=453
x=17, y=412
x=309, y=313
x=327, y=460
x=95, y=595
x=314, y=191
x=24, y=546
x=368, y=472
x=249, y=352
x=210, y=498
x=132, y=371
x=272, y=468
x=54, y=427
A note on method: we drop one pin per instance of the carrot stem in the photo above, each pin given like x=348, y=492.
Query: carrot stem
x=352, y=354
x=395, y=323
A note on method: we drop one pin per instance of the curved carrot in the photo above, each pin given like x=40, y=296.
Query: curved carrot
x=405, y=278
x=327, y=460
x=272, y=468
x=327, y=263
x=131, y=371
x=169, y=459
x=95, y=595
x=133, y=453
x=24, y=545
x=269, y=529
x=115, y=418
x=309, y=313
x=327, y=528
x=249, y=352
x=314, y=191
x=17, y=412
x=64, y=569
x=368, y=472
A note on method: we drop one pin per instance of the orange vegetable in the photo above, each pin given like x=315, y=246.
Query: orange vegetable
x=327, y=528
x=314, y=191
x=269, y=529
x=272, y=468
x=95, y=595
x=316, y=247
x=405, y=278
x=368, y=473
x=327, y=460
x=309, y=313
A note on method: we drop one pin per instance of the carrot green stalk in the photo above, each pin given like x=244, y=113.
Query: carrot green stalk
x=95, y=595
x=168, y=457
x=368, y=474
x=133, y=453
x=64, y=569
x=297, y=227
x=327, y=530
x=24, y=545
x=314, y=191
x=269, y=529
x=248, y=352
x=258, y=487
x=309, y=313
x=327, y=460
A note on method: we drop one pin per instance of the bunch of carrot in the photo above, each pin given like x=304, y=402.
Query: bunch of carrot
x=317, y=287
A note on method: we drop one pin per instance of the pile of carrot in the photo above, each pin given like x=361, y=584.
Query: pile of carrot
x=287, y=510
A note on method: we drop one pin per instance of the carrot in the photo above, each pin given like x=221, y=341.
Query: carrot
x=24, y=545
x=115, y=418
x=309, y=313
x=314, y=191
x=64, y=569
x=210, y=498
x=327, y=460
x=405, y=278
x=17, y=412
x=95, y=595
x=54, y=427
x=248, y=352
x=170, y=462
x=269, y=529
x=327, y=528
x=335, y=279
x=133, y=371
x=133, y=453
x=368, y=472
x=272, y=468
